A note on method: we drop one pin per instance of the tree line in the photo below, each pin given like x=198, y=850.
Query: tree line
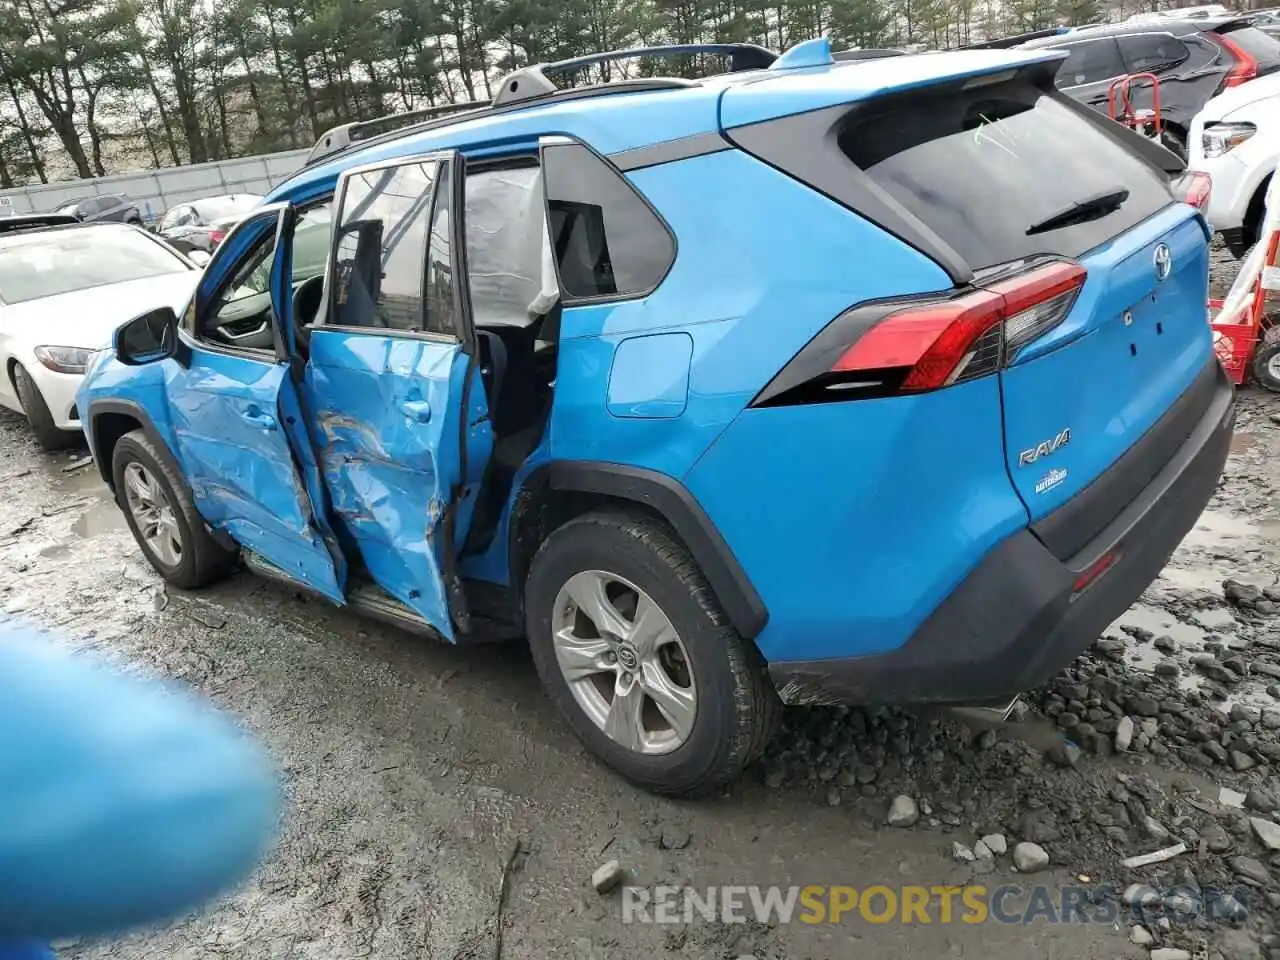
x=91, y=87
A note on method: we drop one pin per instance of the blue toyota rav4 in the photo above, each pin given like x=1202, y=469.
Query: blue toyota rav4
x=811, y=382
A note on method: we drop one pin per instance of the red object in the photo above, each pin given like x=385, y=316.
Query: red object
x=217, y=236
x=1194, y=187
x=935, y=339
x=1094, y=571
x=1237, y=336
x=1245, y=68
x=1120, y=102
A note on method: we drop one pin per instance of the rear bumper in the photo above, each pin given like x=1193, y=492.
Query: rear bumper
x=1016, y=621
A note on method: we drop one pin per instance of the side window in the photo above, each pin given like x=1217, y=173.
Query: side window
x=388, y=219
x=608, y=242
x=88, y=208
x=506, y=224
x=1152, y=51
x=1091, y=62
x=243, y=303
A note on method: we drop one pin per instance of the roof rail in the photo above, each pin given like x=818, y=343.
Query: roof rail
x=529, y=83
x=1013, y=41
x=339, y=138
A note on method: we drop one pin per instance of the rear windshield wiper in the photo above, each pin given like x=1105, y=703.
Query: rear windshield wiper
x=1090, y=208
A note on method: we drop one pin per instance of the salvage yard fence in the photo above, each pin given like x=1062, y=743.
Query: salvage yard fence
x=155, y=191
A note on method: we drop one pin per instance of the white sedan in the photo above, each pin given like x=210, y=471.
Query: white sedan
x=63, y=292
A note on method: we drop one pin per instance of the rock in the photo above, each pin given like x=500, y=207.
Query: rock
x=1139, y=894
x=1155, y=829
x=1231, y=798
x=1141, y=936
x=1038, y=826
x=774, y=776
x=1018, y=712
x=674, y=838
x=1250, y=869
x=1110, y=648
x=1245, y=712
x=1267, y=832
x=607, y=876
x=1143, y=706
x=1260, y=801
x=962, y=853
x=1170, y=953
x=1124, y=734
x=1031, y=858
x=996, y=843
x=1241, y=762
x=1244, y=594
x=903, y=812
x=982, y=852
x=1265, y=669
x=833, y=797
x=1167, y=668
x=1216, y=839
x=1216, y=751
x=1166, y=644
x=1065, y=754
x=1274, y=691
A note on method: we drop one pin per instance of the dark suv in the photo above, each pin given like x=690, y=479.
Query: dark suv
x=106, y=207
x=1193, y=59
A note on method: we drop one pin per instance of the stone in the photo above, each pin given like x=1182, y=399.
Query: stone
x=1241, y=761
x=1241, y=593
x=833, y=797
x=1216, y=839
x=1124, y=734
x=1250, y=869
x=996, y=843
x=1030, y=857
x=1155, y=829
x=1267, y=832
x=1065, y=754
x=962, y=853
x=607, y=876
x=1260, y=801
x=1140, y=894
x=1170, y=953
x=1144, y=706
x=1238, y=945
x=674, y=838
x=903, y=812
x=1243, y=711
x=1141, y=936
x=1111, y=648
x=982, y=852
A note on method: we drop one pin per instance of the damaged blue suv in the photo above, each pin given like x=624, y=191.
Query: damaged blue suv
x=811, y=382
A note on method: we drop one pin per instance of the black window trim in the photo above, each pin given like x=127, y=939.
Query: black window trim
x=192, y=336
x=462, y=299
x=566, y=299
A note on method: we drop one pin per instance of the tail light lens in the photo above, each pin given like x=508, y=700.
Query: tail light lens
x=1245, y=67
x=914, y=346
x=216, y=237
x=1193, y=187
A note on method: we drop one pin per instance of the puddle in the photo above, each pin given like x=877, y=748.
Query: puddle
x=1161, y=623
x=102, y=517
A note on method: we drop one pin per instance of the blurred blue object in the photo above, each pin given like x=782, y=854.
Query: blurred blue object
x=122, y=801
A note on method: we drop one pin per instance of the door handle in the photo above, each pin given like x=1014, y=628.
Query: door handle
x=259, y=419
x=419, y=410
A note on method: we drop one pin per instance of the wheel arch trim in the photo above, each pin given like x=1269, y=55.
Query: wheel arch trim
x=669, y=498
x=127, y=408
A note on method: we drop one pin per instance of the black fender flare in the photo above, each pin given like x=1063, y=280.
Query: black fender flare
x=128, y=408
x=668, y=498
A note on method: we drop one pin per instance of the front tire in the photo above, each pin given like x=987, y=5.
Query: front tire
x=632, y=646
x=47, y=434
x=158, y=508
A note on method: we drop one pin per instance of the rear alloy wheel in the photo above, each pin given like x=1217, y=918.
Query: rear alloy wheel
x=47, y=434
x=632, y=646
x=159, y=510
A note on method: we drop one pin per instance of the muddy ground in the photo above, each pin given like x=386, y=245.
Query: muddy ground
x=414, y=770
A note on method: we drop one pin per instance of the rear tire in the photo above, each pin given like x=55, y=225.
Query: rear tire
x=157, y=505
x=1266, y=361
x=47, y=434
x=630, y=560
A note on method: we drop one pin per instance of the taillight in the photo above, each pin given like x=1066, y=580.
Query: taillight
x=216, y=237
x=1193, y=187
x=912, y=346
x=1245, y=67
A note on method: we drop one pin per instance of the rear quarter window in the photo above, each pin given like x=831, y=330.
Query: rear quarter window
x=981, y=167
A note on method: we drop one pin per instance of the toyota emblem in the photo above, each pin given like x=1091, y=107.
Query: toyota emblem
x=1164, y=262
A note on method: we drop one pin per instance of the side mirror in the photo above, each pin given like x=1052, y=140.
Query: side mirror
x=200, y=258
x=148, y=338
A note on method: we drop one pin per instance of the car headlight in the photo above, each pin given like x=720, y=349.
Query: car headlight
x=64, y=359
x=1224, y=137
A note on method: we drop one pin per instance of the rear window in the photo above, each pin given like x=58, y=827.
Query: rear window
x=1261, y=46
x=983, y=167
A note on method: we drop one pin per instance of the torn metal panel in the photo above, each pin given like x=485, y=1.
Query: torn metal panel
x=227, y=420
x=387, y=420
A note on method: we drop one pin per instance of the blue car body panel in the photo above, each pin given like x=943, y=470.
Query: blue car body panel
x=385, y=411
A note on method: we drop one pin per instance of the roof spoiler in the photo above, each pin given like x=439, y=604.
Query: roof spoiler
x=533, y=83
x=35, y=221
x=1005, y=42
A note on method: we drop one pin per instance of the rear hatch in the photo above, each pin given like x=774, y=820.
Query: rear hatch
x=1008, y=173
x=1256, y=53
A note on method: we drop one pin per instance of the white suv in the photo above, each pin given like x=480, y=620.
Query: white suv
x=1236, y=140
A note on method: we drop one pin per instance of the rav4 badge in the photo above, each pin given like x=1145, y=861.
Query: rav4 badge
x=1032, y=454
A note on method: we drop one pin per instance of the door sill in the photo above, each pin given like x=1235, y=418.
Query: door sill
x=370, y=600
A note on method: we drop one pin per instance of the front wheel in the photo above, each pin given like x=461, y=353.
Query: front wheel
x=1266, y=361
x=158, y=508
x=40, y=417
x=631, y=645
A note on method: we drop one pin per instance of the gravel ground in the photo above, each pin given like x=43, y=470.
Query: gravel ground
x=418, y=775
